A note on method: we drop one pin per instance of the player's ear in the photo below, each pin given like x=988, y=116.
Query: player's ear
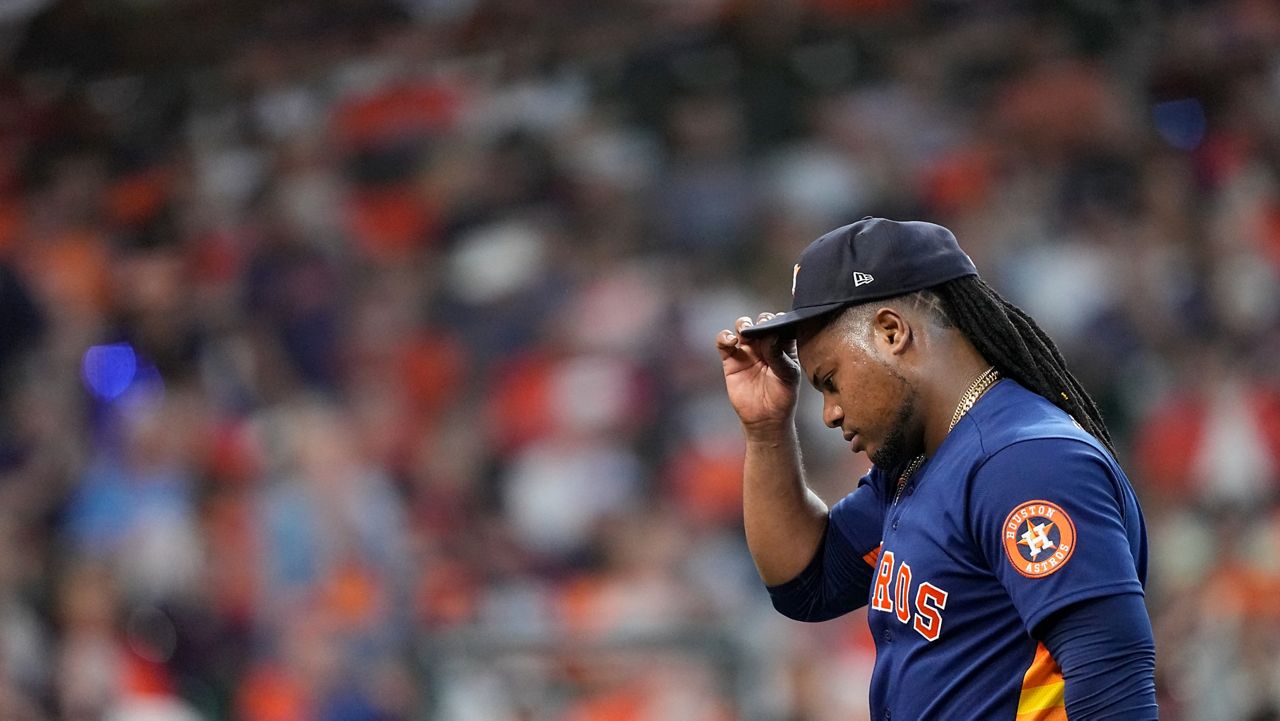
x=892, y=331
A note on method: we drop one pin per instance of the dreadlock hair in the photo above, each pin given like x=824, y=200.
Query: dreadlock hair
x=1012, y=341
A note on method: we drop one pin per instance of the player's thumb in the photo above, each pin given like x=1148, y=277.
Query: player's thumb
x=781, y=361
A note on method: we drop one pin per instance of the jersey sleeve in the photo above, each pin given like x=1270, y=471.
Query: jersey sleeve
x=839, y=576
x=1048, y=515
x=859, y=516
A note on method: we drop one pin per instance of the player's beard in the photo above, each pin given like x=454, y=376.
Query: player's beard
x=895, y=452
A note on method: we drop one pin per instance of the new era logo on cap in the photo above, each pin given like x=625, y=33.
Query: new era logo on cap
x=859, y=278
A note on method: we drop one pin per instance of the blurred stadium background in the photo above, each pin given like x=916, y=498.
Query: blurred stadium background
x=356, y=357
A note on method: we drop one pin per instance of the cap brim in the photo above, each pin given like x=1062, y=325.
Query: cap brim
x=785, y=324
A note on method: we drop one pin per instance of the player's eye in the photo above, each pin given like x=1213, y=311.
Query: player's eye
x=828, y=384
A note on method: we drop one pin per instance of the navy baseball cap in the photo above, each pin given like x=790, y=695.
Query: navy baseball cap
x=868, y=260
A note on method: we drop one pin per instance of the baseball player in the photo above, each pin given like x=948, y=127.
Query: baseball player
x=998, y=544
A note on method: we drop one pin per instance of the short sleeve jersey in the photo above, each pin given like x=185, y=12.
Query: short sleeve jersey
x=1018, y=514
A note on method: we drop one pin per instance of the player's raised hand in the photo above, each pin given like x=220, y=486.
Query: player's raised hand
x=761, y=376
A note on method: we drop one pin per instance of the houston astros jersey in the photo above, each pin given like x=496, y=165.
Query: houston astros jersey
x=1018, y=514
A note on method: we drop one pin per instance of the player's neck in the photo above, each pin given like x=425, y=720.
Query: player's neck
x=943, y=388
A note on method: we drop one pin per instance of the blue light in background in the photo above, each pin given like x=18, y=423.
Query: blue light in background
x=108, y=370
x=145, y=390
x=1181, y=122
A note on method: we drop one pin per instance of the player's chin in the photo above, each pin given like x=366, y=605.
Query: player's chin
x=884, y=456
x=875, y=453
x=876, y=456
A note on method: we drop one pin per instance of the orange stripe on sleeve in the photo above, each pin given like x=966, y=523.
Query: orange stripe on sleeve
x=873, y=556
x=1042, y=697
x=1058, y=713
x=1043, y=670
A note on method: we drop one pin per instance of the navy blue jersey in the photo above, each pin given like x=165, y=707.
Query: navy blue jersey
x=1018, y=514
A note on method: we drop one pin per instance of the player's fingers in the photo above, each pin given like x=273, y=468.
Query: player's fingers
x=775, y=353
x=735, y=351
x=765, y=316
x=779, y=354
x=731, y=345
x=741, y=323
x=726, y=340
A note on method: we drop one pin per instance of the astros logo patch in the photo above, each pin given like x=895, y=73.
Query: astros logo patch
x=1039, y=538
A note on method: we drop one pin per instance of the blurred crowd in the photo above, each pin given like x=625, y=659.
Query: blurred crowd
x=357, y=363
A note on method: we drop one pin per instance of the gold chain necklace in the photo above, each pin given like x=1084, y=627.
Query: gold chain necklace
x=980, y=385
x=971, y=396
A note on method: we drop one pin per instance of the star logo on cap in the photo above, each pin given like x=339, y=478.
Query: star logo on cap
x=859, y=278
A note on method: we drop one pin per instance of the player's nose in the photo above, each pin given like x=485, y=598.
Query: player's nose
x=832, y=414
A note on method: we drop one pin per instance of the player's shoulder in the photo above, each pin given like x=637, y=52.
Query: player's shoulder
x=1011, y=415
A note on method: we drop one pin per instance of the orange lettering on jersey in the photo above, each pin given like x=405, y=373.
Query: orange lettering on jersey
x=930, y=600
x=925, y=614
x=900, y=591
x=880, y=599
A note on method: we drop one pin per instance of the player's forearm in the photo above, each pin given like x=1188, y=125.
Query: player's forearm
x=1106, y=650
x=784, y=520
